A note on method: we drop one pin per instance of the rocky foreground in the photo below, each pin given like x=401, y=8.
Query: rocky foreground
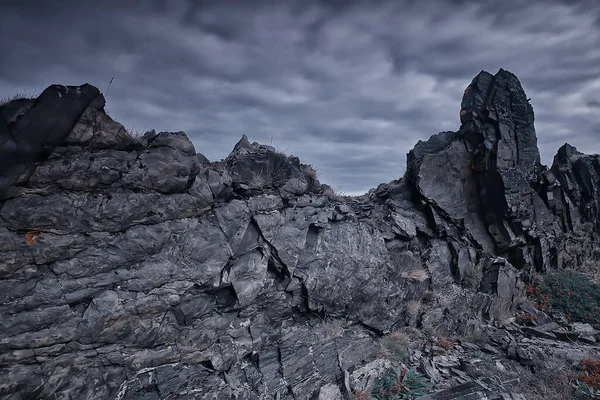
x=134, y=268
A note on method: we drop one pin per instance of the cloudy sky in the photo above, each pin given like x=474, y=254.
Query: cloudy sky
x=348, y=86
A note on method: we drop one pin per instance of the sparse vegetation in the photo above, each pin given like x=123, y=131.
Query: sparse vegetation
x=472, y=278
x=309, y=171
x=334, y=194
x=570, y=292
x=19, y=96
x=588, y=380
x=558, y=379
x=400, y=384
x=260, y=180
x=545, y=384
x=395, y=346
x=415, y=272
x=136, y=133
x=584, y=391
x=444, y=343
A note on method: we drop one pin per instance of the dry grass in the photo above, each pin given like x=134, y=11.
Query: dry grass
x=395, y=346
x=19, y=96
x=544, y=385
x=444, y=343
x=309, y=171
x=278, y=151
x=334, y=194
x=549, y=383
x=415, y=272
x=136, y=133
x=259, y=180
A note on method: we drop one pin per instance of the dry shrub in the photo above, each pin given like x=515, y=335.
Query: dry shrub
x=415, y=272
x=309, y=171
x=444, y=343
x=395, y=345
x=360, y=395
x=260, y=180
x=590, y=373
x=548, y=383
x=333, y=194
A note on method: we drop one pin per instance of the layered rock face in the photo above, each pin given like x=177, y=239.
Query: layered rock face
x=135, y=268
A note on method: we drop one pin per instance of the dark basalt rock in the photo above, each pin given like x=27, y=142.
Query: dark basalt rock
x=579, y=178
x=136, y=268
x=30, y=130
x=484, y=177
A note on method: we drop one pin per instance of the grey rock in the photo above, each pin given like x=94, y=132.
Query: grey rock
x=330, y=392
x=567, y=336
x=489, y=349
x=429, y=369
x=30, y=130
x=133, y=267
x=587, y=340
x=364, y=378
x=538, y=333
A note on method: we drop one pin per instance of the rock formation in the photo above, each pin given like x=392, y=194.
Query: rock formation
x=135, y=268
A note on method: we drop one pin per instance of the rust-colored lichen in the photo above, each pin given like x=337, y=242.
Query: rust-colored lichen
x=31, y=236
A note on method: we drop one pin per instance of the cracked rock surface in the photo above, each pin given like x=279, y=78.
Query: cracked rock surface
x=135, y=268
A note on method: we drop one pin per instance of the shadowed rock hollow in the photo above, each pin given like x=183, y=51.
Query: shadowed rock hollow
x=134, y=268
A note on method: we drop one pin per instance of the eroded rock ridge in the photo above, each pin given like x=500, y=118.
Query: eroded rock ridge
x=136, y=268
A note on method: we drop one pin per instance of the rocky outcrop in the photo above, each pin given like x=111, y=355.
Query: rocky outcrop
x=135, y=268
x=31, y=129
x=575, y=188
x=483, y=177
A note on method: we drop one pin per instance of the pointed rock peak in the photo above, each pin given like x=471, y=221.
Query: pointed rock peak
x=243, y=143
x=564, y=153
x=495, y=112
x=567, y=149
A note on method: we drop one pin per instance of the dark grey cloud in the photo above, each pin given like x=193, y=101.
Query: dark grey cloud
x=348, y=86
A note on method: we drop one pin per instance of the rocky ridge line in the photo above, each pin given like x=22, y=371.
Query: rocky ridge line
x=135, y=268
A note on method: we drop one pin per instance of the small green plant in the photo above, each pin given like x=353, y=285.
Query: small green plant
x=584, y=391
x=590, y=373
x=400, y=384
x=568, y=291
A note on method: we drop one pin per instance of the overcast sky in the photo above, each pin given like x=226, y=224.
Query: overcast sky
x=348, y=86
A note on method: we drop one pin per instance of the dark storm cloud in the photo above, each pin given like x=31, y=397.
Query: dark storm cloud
x=348, y=86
